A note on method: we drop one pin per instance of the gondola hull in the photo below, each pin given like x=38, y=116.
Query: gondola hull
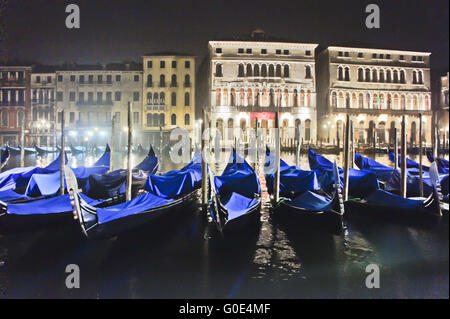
x=244, y=222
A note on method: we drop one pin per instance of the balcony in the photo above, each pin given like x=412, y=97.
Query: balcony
x=12, y=103
x=95, y=83
x=156, y=107
x=357, y=111
x=173, y=84
x=187, y=84
x=94, y=103
x=149, y=84
x=43, y=102
x=13, y=83
x=84, y=124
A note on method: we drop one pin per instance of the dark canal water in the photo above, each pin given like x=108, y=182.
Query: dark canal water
x=189, y=259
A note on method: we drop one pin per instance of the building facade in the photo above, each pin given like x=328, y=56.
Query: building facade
x=43, y=109
x=376, y=87
x=248, y=80
x=14, y=103
x=92, y=98
x=168, y=88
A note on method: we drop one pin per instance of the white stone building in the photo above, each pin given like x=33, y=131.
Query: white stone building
x=376, y=87
x=248, y=80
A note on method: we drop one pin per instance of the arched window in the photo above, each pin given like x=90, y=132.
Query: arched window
x=149, y=80
x=374, y=75
x=173, y=82
x=375, y=101
x=233, y=97
x=187, y=119
x=241, y=97
x=414, y=77
x=347, y=100
x=278, y=71
x=225, y=97
x=162, y=121
x=308, y=130
x=381, y=76
x=413, y=132
x=367, y=75
x=286, y=98
x=187, y=99
x=286, y=71
x=403, y=102
x=420, y=79
x=271, y=70
x=427, y=102
x=333, y=99
x=149, y=98
x=256, y=101
x=354, y=103
x=149, y=119
x=271, y=98
x=241, y=70
x=368, y=106
x=392, y=133
x=395, y=76
x=340, y=73
x=263, y=70
x=395, y=104
x=249, y=98
x=361, y=100
x=308, y=98
x=388, y=102
x=173, y=119
x=388, y=76
x=341, y=99
x=187, y=80
x=295, y=98
x=402, y=76
x=360, y=75
x=347, y=74
x=155, y=99
x=218, y=70
x=256, y=70
x=162, y=98
x=302, y=98
x=35, y=114
x=415, y=103
x=382, y=105
x=162, y=80
x=249, y=70
x=218, y=98
x=173, y=99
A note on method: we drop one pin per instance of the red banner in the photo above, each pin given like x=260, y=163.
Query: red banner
x=262, y=115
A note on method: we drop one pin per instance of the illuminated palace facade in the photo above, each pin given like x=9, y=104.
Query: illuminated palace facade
x=248, y=80
x=376, y=87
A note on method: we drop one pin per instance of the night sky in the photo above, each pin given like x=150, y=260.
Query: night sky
x=115, y=30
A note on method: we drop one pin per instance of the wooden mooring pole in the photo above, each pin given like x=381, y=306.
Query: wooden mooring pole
x=130, y=146
x=403, y=163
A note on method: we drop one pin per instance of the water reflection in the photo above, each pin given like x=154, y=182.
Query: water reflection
x=189, y=259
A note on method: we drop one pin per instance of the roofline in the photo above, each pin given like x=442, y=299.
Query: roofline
x=169, y=55
x=375, y=49
x=312, y=45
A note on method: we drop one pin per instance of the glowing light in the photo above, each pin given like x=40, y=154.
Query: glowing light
x=73, y=133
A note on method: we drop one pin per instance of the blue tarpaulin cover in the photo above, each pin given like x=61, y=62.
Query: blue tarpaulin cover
x=409, y=162
x=383, y=172
x=383, y=198
x=442, y=163
x=177, y=182
x=19, y=177
x=361, y=183
x=54, y=205
x=10, y=195
x=293, y=180
x=312, y=201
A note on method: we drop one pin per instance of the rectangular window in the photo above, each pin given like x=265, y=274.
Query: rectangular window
x=149, y=64
x=38, y=79
x=81, y=97
x=72, y=117
x=108, y=116
x=59, y=117
x=109, y=79
x=278, y=51
x=174, y=64
x=240, y=51
x=249, y=51
x=118, y=96
x=59, y=96
x=340, y=53
x=286, y=52
x=307, y=52
x=388, y=56
x=187, y=64
x=49, y=79
x=162, y=64
x=263, y=51
x=402, y=58
x=99, y=97
x=135, y=96
x=72, y=78
x=135, y=117
x=117, y=117
x=81, y=79
x=108, y=96
x=136, y=78
x=346, y=54
x=60, y=78
x=91, y=79
x=219, y=50
x=360, y=55
x=118, y=78
x=90, y=96
x=414, y=58
x=374, y=55
x=72, y=96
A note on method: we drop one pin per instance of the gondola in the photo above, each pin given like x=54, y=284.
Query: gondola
x=409, y=162
x=67, y=149
x=77, y=150
x=113, y=183
x=45, y=150
x=361, y=183
x=235, y=196
x=301, y=197
x=391, y=178
x=389, y=205
x=14, y=151
x=44, y=182
x=4, y=158
x=166, y=195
